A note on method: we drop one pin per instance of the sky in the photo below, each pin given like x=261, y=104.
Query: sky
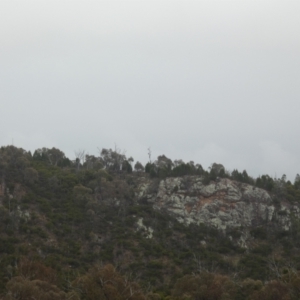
x=207, y=81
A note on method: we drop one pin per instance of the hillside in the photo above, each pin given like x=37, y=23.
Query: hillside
x=171, y=230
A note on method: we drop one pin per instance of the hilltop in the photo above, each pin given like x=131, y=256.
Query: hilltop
x=171, y=225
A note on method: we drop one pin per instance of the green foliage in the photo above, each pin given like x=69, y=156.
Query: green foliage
x=254, y=266
x=7, y=245
x=242, y=177
x=293, y=193
x=259, y=233
x=186, y=169
x=151, y=169
x=138, y=167
x=264, y=250
x=52, y=156
x=265, y=182
x=126, y=166
x=79, y=217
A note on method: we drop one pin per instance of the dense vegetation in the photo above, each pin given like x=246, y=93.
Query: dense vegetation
x=68, y=230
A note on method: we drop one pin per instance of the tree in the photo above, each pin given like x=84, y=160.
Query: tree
x=30, y=175
x=297, y=182
x=248, y=287
x=93, y=162
x=149, y=154
x=241, y=177
x=126, y=166
x=204, y=286
x=218, y=169
x=178, y=162
x=53, y=155
x=112, y=159
x=265, y=182
x=163, y=162
x=35, y=281
x=107, y=284
x=82, y=195
x=130, y=160
x=151, y=168
x=138, y=167
x=181, y=168
x=273, y=290
x=20, y=288
x=80, y=158
x=163, y=165
x=33, y=270
x=13, y=161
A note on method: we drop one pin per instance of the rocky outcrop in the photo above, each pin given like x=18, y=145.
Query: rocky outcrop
x=223, y=204
x=148, y=231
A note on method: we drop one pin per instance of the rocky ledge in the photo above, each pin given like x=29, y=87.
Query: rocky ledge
x=223, y=204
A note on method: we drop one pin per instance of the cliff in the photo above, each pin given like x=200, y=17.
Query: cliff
x=223, y=203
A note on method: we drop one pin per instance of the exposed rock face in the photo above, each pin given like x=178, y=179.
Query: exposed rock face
x=148, y=230
x=222, y=204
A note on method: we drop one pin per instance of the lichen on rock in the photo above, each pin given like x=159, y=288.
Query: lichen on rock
x=223, y=204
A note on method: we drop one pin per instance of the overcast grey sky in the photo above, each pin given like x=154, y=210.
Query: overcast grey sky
x=208, y=81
